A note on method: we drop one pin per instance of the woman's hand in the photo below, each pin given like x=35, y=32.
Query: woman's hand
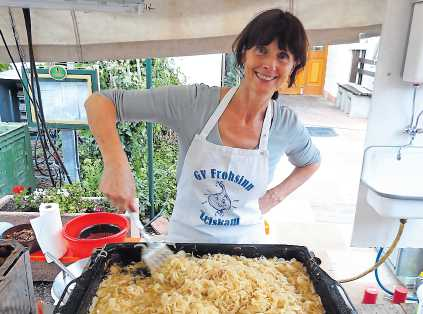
x=118, y=185
x=117, y=182
x=269, y=200
x=278, y=193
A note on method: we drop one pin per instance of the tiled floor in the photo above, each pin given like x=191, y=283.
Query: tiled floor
x=320, y=214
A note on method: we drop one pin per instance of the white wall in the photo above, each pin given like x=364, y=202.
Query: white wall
x=389, y=114
x=338, y=66
x=204, y=69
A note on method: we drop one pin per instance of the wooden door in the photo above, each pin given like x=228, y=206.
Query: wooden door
x=315, y=71
x=295, y=89
x=311, y=79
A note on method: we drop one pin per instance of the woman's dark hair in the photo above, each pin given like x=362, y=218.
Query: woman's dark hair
x=268, y=26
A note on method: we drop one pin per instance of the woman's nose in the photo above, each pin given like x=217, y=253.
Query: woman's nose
x=270, y=63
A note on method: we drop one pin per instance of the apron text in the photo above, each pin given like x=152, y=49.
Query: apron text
x=223, y=175
x=218, y=222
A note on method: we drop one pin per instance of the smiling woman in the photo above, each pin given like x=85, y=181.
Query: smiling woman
x=279, y=40
x=230, y=139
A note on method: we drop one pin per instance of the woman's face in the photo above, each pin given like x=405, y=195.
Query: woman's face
x=266, y=68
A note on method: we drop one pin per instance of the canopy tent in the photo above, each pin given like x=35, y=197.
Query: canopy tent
x=87, y=30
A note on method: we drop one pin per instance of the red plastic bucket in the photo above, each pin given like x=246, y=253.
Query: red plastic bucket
x=83, y=247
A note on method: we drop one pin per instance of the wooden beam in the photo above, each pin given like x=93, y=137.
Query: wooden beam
x=365, y=72
x=354, y=65
x=367, y=61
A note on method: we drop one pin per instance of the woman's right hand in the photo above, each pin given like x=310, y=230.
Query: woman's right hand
x=117, y=182
x=118, y=185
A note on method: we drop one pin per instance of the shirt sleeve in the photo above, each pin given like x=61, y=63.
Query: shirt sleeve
x=166, y=105
x=301, y=151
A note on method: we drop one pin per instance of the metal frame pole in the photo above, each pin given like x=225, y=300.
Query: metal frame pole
x=149, y=75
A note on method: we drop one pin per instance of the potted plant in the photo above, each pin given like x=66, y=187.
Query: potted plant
x=23, y=204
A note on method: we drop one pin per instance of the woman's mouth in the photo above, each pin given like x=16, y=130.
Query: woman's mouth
x=265, y=77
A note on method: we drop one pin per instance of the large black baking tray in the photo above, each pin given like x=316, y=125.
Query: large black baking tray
x=332, y=295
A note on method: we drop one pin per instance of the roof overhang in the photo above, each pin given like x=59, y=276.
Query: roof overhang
x=66, y=30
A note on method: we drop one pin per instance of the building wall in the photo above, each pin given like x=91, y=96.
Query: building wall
x=389, y=115
x=338, y=67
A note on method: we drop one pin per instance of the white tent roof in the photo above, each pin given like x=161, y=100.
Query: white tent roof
x=72, y=30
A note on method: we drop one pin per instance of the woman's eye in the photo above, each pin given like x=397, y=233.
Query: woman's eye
x=261, y=49
x=283, y=56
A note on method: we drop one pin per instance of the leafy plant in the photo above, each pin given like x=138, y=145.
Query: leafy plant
x=72, y=198
x=130, y=74
x=4, y=67
x=233, y=74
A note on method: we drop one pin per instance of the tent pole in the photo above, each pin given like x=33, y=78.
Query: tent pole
x=148, y=66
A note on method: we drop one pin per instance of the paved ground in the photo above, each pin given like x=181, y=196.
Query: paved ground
x=320, y=214
x=332, y=192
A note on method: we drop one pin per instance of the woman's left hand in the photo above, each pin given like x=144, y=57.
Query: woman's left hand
x=269, y=200
x=278, y=193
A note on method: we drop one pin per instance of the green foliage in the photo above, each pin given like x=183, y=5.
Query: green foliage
x=92, y=169
x=130, y=74
x=4, y=67
x=72, y=198
x=232, y=75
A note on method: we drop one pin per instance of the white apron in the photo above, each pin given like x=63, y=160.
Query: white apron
x=219, y=187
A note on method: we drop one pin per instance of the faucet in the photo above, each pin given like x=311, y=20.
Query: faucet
x=412, y=131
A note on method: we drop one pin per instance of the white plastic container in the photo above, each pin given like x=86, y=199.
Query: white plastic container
x=3, y=227
x=413, y=67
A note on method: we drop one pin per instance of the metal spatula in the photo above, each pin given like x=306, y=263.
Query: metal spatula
x=156, y=252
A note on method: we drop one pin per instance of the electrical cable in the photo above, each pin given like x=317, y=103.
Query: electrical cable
x=39, y=130
x=35, y=157
x=39, y=112
x=379, y=253
x=17, y=71
x=27, y=17
x=15, y=35
x=384, y=258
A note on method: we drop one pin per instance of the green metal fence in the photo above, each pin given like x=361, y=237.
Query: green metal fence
x=15, y=157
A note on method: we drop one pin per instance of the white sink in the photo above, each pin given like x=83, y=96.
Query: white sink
x=395, y=187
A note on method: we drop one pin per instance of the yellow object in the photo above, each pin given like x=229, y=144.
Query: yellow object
x=311, y=79
x=266, y=227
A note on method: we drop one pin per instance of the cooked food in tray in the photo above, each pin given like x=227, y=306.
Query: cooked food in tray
x=211, y=284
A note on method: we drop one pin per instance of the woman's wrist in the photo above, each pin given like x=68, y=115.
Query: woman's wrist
x=276, y=196
x=115, y=157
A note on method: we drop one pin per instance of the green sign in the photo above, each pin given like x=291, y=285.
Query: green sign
x=57, y=72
